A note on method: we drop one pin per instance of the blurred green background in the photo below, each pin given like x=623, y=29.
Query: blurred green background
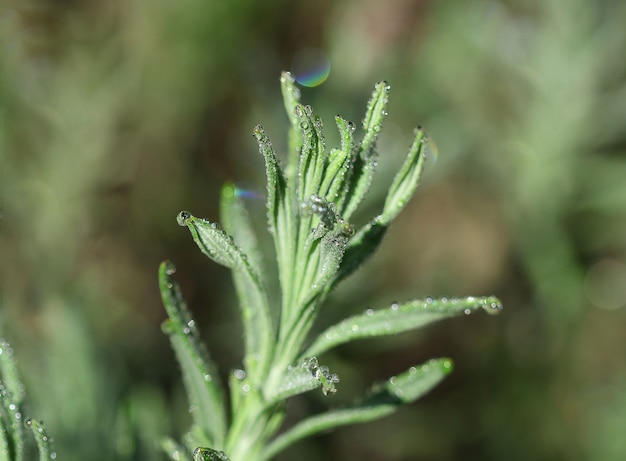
x=115, y=115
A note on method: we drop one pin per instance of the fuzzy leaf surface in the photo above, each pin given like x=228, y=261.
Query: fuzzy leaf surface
x=406, y=180
x=291, y=99
x=398, y=318
x=365, y=161
x=280, y=216
x=12, y=437
x=41, y=437
x=258, y=328
x=384, y=400
x=199, y=373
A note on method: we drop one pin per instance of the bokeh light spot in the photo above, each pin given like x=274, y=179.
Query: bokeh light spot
x=310, y=66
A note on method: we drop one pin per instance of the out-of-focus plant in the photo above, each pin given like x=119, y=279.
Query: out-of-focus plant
x=14, y=443
x=309, y=206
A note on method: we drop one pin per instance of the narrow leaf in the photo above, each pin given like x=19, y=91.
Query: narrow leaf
x=291, y=98
x=8, y=372
x=11, y=398
x=365, y=161
x=312, y=157
x=405, y=182
x=280, y=216
x=402, y=389
x=4, y=441
x=333, y=185
x=360, y=248
x=11, y=428
x=398, y=318
x=212, y=240
x=258, y=329
x=41, y=437
x=340, y=166
x=199, y=373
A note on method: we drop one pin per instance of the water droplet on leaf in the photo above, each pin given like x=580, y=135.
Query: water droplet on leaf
x=182, y=218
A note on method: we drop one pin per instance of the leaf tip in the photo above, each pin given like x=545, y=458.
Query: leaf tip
x=447, y=366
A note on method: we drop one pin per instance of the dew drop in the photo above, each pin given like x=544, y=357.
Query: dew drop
x=369, y=312
x=311, y=364
x=354, y=327
x=467, y=311
x=491, y=306
x=429, y=300
x=208, y=378
x=245, y=388
x=395, y=306
x=182, y=218
x=239, y=374
x=170, y=268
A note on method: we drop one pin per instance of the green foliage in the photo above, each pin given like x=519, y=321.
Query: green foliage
x=14, y=444
x=309, y=205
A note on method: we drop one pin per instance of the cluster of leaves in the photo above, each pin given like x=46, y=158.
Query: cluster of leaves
x=13, y=425
x=309, y=207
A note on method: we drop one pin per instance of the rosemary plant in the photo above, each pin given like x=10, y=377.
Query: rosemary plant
x=310, y=203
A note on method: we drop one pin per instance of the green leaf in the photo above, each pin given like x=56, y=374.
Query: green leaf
x=405, y=182
x=280, y=215
x=385, y=399
x=339, y=166
x=291, y=98
x=8, y=372
x=11, y=396
x=201, y=379
x=41, y=437
x=398, y=318
x=236, y=222
x=257, y=323
x=360, y=248
x=366, y=158
x=4, y=441
x=207, y=454
x=312, y=158
x=212, y=240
